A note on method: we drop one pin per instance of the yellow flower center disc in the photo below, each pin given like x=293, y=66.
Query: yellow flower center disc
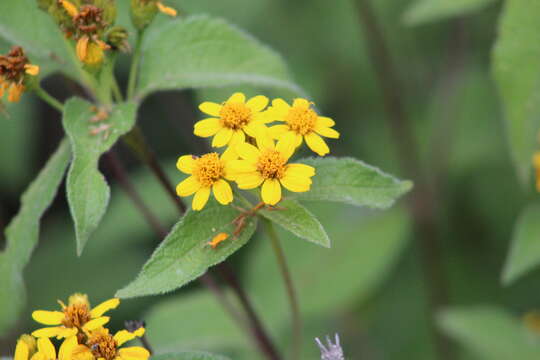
x=271, y=164
x=235, y=115
x=301, y=120
x=208, y=169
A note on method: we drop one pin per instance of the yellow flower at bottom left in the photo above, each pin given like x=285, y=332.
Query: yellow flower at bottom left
x=26, y=349
x=209, y=172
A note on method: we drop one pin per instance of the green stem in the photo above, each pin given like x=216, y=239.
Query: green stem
x=48, y=98
x=133, y=71
x=291, y=293
x=116, y=91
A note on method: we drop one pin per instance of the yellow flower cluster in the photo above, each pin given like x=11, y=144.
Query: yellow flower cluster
x=81, y=329
x=258, y=152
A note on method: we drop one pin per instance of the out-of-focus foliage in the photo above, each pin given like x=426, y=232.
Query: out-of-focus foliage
x=425, y=11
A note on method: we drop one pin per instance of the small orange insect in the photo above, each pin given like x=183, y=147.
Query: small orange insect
x=216, y=240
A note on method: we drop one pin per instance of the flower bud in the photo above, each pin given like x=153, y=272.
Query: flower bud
x=143, y=12
x=117, y=37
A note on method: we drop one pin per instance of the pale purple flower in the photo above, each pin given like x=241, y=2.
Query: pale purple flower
x=330, y=351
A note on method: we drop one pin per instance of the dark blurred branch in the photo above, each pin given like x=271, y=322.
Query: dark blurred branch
x=422, y=202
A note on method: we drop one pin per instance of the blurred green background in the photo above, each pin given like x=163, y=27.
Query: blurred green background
x=369, y=287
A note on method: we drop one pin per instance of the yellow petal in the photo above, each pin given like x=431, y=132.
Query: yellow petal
x=298, y=140
x=185, y=163
x=39, y=356
x=300, y=170
x=81, y=352
x=50, y=331
x=134, y=353
x=222, y=138
x=279, y=109
x=207, y=127
x=255, y=129
x=48, y=317
x=222, y=192
x=249, y=180
x=166, y=9
x=82, y=48
x=124, y=336
x=46, y=347
x=325, y=121
x=229, y=154
x=105, y=306
x=238, y=137
x=201, y=198
x=188, y=186
x=237, y=98
x=286, y=144
x=21, y=351
x=242, y=166
x=248, y=152
x=316, y=143
x=257, y=103
x=96, y=323
x=277, y=130
x=327, y=132
x=67, y=347
x=301, y=103
x=296, y=184
x=536, y=160
x=15, y=92
x=210, y=108
x=271, y=191
x=265, y=142
x=31, y=69
x=70, y=8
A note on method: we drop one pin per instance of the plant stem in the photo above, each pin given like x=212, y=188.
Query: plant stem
x=137, y=143
x=134, y=69
x=263, y=341
x=291, y=292
x=116, y=91
x=120, y=174
x=45, y=96
x=422, y=204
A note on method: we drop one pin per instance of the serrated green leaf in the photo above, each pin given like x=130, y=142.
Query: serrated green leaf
x=205, y=52
x=23, y=231
x=185, y=255
x=425, y=11
x=516, y=65
x=352, y=182
x=490, y=332
x=524, y=252
x=189, y=356
x=295, y=218
x=87, y=191
x=23, y=24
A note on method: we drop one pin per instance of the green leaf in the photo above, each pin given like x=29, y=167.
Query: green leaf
x=23, y=232
x=205, y=52
x=425, y=11
x=185, y=255
x=295, y=218
x=23, y=24
x=516, y=65
x=189, y=356
x=524, y=252
x=352, y=182
x=490, y=332
x=87, y=191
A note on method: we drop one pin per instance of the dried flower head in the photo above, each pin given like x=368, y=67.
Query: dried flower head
x=14, y=70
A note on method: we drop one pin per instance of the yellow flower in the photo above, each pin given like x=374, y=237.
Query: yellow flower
x=91, y=51
x=536, y=164
x=301, y=121
x=104, y=346
x=233, y=119
x=208, y=172
x=26, y=349
x=76, y=316
x=267, y=164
